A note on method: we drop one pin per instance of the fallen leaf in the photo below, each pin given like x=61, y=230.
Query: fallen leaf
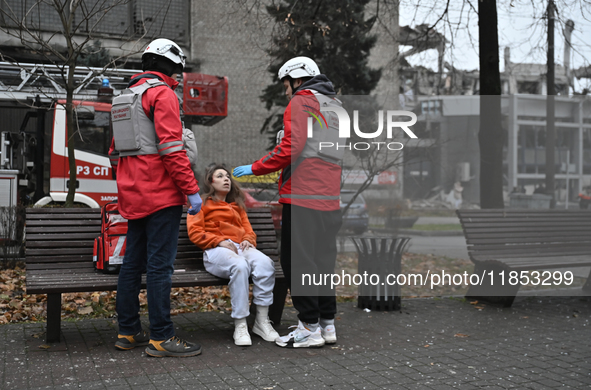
x=461, y=335
x=85, y=310
x=44, y=346
x=18, y=305
x=474, y=302
x=426, y=346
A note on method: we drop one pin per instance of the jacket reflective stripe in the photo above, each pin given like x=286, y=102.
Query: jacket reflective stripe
x=294, y=196
x=272, y=154
x=170, y=150
x=168, y=144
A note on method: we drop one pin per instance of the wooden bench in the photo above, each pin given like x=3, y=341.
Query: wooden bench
x=523, y=240
x=59, y=246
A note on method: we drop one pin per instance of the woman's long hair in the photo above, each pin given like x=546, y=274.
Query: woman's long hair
x=235, y=194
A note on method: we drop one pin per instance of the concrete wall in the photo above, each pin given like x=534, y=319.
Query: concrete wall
x=230, y=42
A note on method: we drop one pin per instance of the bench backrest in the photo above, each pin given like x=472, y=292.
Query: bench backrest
x=515, y=233
x=60, y=238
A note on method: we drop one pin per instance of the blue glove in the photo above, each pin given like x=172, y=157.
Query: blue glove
x=242, y=170
x=196, y=202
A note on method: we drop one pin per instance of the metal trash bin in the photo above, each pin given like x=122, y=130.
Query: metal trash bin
x=380, y=256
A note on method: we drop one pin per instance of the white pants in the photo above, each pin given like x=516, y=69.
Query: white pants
x=226, y=264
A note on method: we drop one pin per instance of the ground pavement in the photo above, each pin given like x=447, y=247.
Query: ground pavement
x=539, y=343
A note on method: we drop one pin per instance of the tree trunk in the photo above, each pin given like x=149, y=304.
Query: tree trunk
x=491, y=135
x=550, y=110
x=71, y=131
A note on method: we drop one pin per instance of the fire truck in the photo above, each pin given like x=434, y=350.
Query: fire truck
x=34, y=157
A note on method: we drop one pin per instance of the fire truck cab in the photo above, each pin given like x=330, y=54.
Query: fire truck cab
x=94, y=182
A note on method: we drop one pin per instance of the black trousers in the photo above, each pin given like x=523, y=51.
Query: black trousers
x=308, y=247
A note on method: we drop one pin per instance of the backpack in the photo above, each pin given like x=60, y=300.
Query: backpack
x=190, y=145
x=330, y=134
x=109, y=247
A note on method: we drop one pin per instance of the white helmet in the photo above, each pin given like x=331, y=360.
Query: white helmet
x=168, y=49
x=299, y=67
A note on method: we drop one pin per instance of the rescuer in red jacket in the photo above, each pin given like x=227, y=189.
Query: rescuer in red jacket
x=154, y=179
x=309, y=188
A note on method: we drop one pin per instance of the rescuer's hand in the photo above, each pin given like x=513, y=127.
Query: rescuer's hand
x=242, y=170
x=196, y=202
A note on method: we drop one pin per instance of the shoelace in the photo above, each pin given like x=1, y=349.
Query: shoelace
x=242, y=330
x=266, y=324
x=178, y=341
x=291, y=334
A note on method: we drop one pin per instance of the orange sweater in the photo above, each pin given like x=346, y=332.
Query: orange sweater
x=219, y=221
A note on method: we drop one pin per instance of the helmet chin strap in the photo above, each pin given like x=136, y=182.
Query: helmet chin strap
x=291, y=85
x=293, y=88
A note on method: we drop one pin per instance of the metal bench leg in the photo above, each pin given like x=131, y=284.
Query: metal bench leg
x=279, y=295
x=494, y=292
x=54, y=314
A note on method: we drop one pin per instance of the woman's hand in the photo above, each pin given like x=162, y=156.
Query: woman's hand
x=229, y=245
x=244, y=245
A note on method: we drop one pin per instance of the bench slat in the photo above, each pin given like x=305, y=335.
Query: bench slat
x=542, y=245
x=517, y=240
x=91, y=281
x=482, y=233
x=538, y=263
x=95, y=222
x=529, y=224
x=69, y=217
x=63, y=229
x=510, y=229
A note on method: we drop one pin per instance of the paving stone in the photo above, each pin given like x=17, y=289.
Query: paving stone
x=503, y=351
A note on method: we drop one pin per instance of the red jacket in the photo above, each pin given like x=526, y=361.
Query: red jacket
x=148, y=183
x=217, y=222
x=310, y=177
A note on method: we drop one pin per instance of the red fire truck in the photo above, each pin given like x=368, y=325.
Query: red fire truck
x=33, y=173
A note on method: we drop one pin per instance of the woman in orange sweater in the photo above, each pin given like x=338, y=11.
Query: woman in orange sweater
x=224, y=233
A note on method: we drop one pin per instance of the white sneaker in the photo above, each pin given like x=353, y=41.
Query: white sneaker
x=265, y=330
x=329, y=334
x=301, y=338
x=241, y=336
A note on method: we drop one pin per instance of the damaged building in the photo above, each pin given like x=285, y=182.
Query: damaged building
x=449, y=115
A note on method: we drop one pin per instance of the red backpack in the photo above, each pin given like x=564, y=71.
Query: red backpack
x=109, y=247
